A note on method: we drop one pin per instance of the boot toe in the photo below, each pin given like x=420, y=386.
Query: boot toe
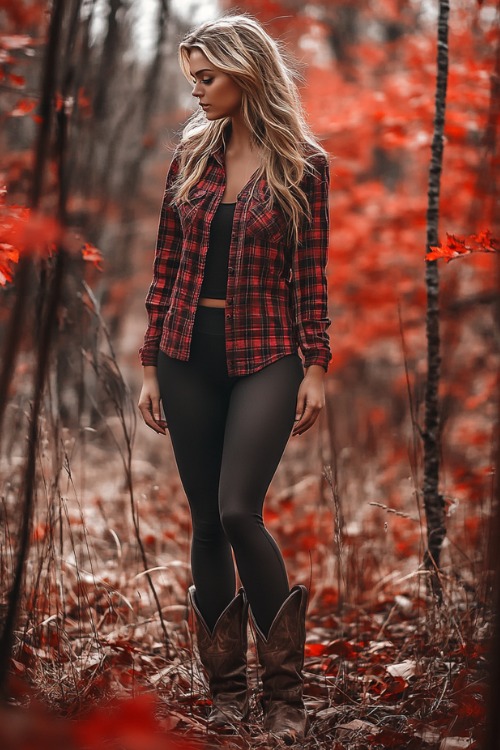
x=227, y=716
x=287, y=721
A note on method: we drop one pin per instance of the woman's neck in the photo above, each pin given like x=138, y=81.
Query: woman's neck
x=240, y=140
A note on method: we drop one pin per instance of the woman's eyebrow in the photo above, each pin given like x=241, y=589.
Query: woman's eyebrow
x=203, y=70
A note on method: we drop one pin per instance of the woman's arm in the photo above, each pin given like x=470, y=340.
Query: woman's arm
x=166, y=262
x=311, y=300
x=310, y=291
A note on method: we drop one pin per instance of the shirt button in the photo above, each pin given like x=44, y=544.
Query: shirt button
x=230, y=269
x=229, y=316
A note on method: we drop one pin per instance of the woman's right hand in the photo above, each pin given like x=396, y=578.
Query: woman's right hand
x=149, y=401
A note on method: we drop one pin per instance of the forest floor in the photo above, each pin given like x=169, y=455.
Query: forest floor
x=386, y=665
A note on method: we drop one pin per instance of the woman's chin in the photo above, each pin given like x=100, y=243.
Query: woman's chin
x=212, y=115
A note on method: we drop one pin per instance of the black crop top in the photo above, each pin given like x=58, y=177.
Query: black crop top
x=217, y=260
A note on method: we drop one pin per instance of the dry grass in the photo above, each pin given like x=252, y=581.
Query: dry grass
x=385, y=665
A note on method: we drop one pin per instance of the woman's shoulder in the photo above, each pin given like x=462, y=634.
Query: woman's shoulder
x=314, y=153
x=316, y=167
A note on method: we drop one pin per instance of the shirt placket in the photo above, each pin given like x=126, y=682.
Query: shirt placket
x=234, y=278
x=218, y=183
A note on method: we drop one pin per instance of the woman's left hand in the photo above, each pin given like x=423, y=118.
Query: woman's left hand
x=310, y=399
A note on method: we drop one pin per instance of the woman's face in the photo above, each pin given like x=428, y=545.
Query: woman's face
x=219, y=95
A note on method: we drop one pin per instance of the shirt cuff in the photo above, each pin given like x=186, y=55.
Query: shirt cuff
x=148, y=356
x=318, y=358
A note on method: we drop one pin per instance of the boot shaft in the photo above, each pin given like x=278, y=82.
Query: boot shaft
x=223, y=651
x=281, y=653
x=229, y=633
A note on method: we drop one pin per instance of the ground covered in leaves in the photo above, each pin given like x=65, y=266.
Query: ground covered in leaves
x=386, y=665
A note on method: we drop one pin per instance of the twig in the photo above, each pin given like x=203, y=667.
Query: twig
x=127, y=463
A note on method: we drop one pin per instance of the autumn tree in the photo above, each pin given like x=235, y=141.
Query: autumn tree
x=90, y=147
x=433, y=501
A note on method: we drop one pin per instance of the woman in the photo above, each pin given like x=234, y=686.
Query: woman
x=239, y=286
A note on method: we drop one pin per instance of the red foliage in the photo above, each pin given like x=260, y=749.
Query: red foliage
x=23, y=14
x=22, y=108
x=91, y=254
x=457, y=247
x=25, y=231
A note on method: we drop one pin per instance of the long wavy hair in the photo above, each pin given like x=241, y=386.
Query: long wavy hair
x=271, y=108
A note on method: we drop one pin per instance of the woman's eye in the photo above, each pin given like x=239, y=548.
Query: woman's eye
x=205, y=81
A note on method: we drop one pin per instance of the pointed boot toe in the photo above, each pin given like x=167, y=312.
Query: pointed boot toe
x=286, y=720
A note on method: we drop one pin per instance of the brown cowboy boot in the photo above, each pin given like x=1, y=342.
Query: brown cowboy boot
x=281, y=655
x=223, y=653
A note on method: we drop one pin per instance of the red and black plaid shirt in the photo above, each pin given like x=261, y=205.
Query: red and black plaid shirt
x=276, y=298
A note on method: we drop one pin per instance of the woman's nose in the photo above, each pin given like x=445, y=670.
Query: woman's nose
x=196, y=91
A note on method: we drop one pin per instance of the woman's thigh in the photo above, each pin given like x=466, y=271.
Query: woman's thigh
x=195, y=411
x=259, y=422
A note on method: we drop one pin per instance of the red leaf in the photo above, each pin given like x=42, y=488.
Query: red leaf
x=83, y=100
x=316, y=649
x=472, y=707
x=455, y=246
x=8, y=257
x=394, y=688
x=23, y=107
x=17, y=80
x=91, y=254
x=346, y=649
x=22, y=230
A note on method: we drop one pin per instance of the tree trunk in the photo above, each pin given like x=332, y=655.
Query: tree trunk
x=24, y=271
x=433, y=501
x=47, y=324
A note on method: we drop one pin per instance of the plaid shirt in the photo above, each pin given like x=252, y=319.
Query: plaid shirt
x=276, y=298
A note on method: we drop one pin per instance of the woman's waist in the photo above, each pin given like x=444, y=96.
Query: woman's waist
x=211, y=302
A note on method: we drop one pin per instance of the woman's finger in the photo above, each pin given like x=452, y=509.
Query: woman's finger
x=308, y=419
x=304, y=419
x=155, y=404
x=299, y=409
x=158, y=425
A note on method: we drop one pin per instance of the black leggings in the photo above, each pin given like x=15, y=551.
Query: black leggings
x=228, y=435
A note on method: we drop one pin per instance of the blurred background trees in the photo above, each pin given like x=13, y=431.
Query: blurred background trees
x=346, y=503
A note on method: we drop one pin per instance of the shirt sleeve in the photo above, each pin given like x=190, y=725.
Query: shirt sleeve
x=166, y=262
x=310, y=292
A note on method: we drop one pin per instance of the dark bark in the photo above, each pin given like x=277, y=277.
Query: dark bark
x=433, y=501
x=41, y=369
x=48, y=315
x=108, y=61
x=24, y=271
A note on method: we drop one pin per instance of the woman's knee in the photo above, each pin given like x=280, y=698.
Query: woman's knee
x=237, y=521
x=208, y=533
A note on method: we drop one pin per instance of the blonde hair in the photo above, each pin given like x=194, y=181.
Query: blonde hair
x=271, y=107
